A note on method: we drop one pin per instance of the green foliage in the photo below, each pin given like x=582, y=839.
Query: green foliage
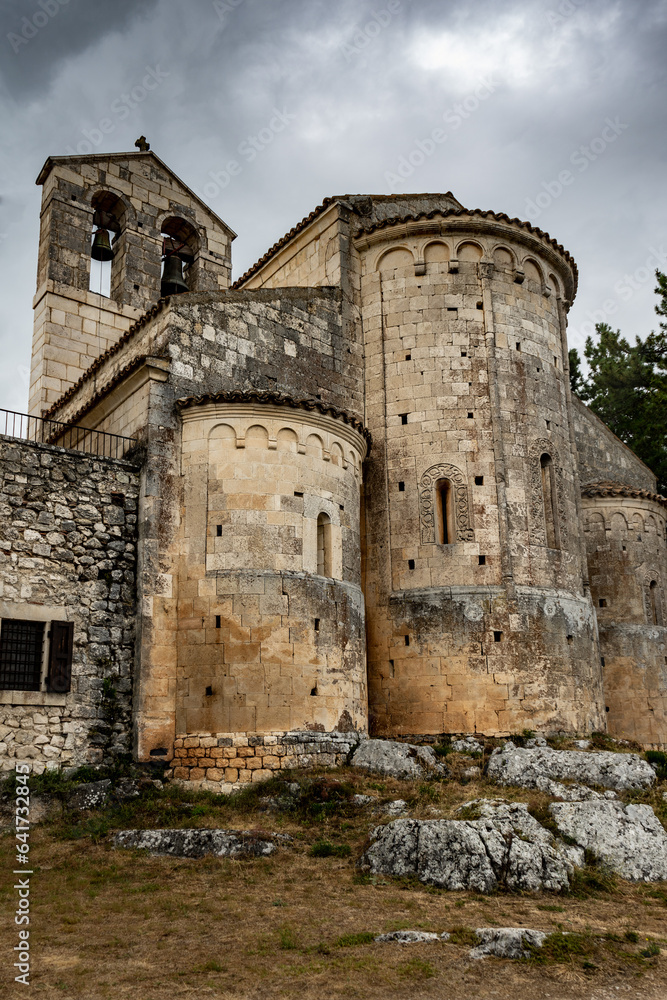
x=592, y=879
x=562, y=947
x=353, y=940
x=627, y=386
x=416, y=968
x=325, y=849
x=632, y=937
x=651, y=951
x=463, y=935
x=288, y=941
x=658, y=757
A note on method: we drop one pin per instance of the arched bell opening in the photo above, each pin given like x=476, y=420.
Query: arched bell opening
x=180, y=246
x=108, y=223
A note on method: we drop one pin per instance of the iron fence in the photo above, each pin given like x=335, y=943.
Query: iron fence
x=41, y=430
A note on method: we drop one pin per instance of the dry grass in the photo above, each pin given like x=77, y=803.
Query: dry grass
x=121, y=924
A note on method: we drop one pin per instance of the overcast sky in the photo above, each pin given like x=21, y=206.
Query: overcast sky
x=550, y=110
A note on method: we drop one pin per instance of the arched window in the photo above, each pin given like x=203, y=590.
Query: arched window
x=549, y=500
x=445, y=528
x=655, y=611
x=180, y=245
x=324, y=545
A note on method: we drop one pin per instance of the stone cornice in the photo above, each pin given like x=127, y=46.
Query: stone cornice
x=278, y=399
x=441, y=222
x=609, y=488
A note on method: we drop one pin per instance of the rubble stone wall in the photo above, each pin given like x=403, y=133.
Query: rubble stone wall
x=68, y=553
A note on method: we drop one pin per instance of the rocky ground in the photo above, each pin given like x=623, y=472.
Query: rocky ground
x=474, y=868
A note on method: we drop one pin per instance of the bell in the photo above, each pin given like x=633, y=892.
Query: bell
x=172, y=277
x=101, y=248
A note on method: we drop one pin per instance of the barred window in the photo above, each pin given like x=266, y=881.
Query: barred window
x=21, y=645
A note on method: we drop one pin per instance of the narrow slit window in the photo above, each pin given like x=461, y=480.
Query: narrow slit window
x=404, y=418
x=549, y=500
x=323, y=545
x=444, y=514
x=654, y=603
x=218, y=530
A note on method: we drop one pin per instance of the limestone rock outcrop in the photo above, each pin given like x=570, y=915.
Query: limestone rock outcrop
x=629, y=839
x=526, y=768
x=506, y=942
x=397, y=760
x=197, y=843
x=504, y=846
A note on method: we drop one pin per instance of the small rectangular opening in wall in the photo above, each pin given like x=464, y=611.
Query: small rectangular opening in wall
x=602, y=602
x=408, y=357
x=401, y=487
x=411, y=564
x=341, y=506
x=518, y=345
x=313, y=692
x=570, y=639
x=479, y=480
x=497, y=636
x=464, y=354
x=404, y=418
x=480, y=305
x=218, y=530
x=470, y=415
x=209, y=691
x=452, y=309
x=481, y=560
x=317, y=624
x=159, y=752
x=297, y=494
x=217, y=621
x=548, y=423
x=602, y=663
x=555, y=361
x=391, y=668
x=407, y=640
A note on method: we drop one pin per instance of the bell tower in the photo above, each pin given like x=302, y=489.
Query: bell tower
x=110, y=225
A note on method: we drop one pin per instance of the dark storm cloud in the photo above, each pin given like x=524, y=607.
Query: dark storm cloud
x=37, y=36
x=267, y=106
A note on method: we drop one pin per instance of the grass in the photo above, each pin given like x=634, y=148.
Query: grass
x=293, y=924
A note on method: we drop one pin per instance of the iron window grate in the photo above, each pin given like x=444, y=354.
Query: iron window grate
x=21, y=644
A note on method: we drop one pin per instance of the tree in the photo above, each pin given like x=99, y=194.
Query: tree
x=627, y=386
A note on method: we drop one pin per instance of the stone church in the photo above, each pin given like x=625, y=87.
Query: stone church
x=349, y=493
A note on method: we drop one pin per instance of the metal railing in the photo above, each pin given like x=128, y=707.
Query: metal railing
x=41, y=430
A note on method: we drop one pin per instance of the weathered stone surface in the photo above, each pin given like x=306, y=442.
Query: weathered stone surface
x=395, y=808
x=511, y=765
x=629, y=839
x=197, y=843
x=411, y=937
x=505, y=846
x=397, y=760
x=506, y=942
x=467, y=745
x=90, y=795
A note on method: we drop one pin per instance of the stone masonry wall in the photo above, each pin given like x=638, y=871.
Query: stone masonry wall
x=67, y=553
x=224, y=761
x=604, y=456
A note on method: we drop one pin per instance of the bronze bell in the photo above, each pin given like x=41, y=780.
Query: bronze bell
x=101, y=248
x=172, y=277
